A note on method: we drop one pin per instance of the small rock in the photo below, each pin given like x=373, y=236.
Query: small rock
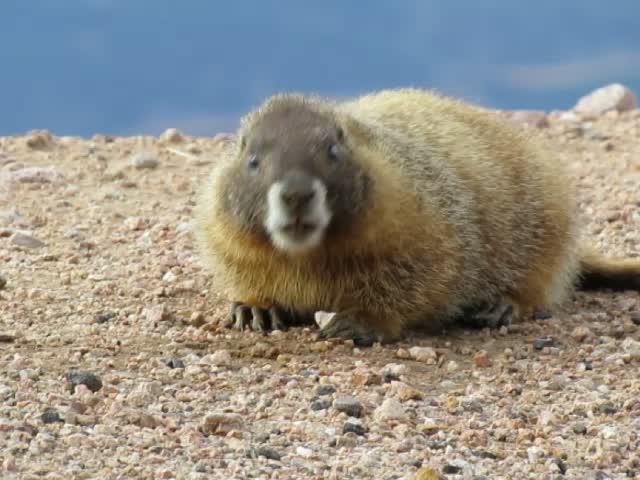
x=580, y=334
x=390, y=409
x=50, y=416
x=172, y=135
x=392, y=371
x=631, y=347
x=562, y=467
x=349, y=405
x=482, y=359
x=36, y=175
x=221, y=139
x=169, y=277
x=542, y=314
x=540, y=343
x=323, y=318
x=221, y=423
x=141, y=419
x=73, y=418
x=156, y=313
x=221, y=358
x=197, y=319
x=185, y=227
x=424, y=354
x=136, y=223
x=3, y=282
x=635, y=318
x=304, y=452
x=325, y=389
x=142, y=160
x=39, y=140
x=174, y=363
x=403, y=353
x=25, y=240
x=261, y=350
x=267, y=452
x=7, y=338
x=607, y=408
x=611, y=97
x=90, y=380
x=528, y=118
x=355, y=426
x=366, y=378
x=321, y=404
x=104, y=317
x=584, y=365
x=406, y=392
x=449, y=469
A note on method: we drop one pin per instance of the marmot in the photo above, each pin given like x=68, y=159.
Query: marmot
x=399, y=208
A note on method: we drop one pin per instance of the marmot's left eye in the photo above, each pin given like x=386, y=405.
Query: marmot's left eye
x=332, y=151
x=253, y=161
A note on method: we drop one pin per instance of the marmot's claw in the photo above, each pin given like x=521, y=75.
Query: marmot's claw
x=349, y=328
x=242, y=316
x=492, y=316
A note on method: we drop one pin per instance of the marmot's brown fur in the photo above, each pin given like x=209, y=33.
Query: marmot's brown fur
x=398, y=208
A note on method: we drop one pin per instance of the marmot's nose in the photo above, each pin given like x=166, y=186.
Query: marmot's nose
x=297, y=190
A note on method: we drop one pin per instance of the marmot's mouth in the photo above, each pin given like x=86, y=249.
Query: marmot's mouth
x=299, y=228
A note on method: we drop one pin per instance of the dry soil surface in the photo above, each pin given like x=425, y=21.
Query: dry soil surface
x=113, y=364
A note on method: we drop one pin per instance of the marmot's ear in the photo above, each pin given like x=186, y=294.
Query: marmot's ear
x=352, y=128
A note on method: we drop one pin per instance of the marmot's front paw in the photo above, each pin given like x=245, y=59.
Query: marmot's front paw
x=244, y=316
x=491, y=316
x=347, y=326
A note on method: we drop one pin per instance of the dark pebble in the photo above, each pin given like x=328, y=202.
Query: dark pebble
x=449, y=469
x=540, y=314
x=104, y=317
x=90, y=380
x=635, y=318
x=50, y=416
x=540, y=343
x=436, y=445
x=485, y=454
x=607, y=408
x=308, y=372
x=267, y=452
x=349, y=405
x=321, y=404
x=3, y=282
x=388, y=377
x=587, y=364
x=7, y=338
x=175, y=363
x=579, y=428
x=561, y=465
x=325, y=390
x=262, y=437
x=354, y=427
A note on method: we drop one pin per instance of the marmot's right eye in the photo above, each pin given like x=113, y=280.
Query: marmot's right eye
x=253, y=162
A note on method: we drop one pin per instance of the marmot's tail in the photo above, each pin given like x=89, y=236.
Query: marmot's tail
x=600, y=272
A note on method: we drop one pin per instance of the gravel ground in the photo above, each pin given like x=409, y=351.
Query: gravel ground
x=114, y=366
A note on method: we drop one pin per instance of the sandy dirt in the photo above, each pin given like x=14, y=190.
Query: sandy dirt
x=113, y=365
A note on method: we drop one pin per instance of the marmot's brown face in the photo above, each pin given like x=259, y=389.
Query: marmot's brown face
x=295, y=179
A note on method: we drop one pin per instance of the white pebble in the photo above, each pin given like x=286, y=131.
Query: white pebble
x=144, y=160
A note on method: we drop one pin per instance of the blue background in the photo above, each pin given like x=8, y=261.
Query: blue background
x=139, y=66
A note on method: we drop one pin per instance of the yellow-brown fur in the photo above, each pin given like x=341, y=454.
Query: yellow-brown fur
x=465, y=210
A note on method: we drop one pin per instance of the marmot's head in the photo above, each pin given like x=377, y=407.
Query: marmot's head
x=294, y=179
